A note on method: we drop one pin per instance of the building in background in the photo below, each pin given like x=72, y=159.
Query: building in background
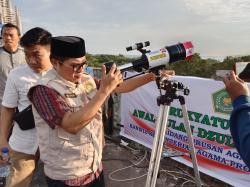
x=8, y=14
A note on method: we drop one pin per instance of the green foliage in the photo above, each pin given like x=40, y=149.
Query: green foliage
x=195, y=67
x=97, y=60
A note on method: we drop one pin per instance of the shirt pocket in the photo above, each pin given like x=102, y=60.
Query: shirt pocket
x=76, y=146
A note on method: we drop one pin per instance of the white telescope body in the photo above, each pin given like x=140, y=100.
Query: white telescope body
x=163, y=56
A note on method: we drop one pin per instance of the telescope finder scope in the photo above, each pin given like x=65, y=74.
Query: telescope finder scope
x=138, y=46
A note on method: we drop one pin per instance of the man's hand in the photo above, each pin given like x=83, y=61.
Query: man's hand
x=2, y=145
x=235, y=86
x=164, y=74
x=5, y=127
x=167, y=73
x=111, y=80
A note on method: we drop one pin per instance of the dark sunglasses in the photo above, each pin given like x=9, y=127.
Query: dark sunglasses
x=76, y=67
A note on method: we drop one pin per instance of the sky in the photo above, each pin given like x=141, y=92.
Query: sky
x=215, y=27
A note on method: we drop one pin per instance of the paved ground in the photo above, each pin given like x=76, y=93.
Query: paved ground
x=116, y=157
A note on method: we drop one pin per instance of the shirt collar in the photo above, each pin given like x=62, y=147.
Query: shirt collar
x=66, y=82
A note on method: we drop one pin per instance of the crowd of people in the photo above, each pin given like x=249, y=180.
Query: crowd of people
x=44, y=82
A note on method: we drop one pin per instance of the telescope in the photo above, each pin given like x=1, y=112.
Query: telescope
x=155, y=59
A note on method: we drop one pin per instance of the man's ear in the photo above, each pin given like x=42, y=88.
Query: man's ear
x=54, y=62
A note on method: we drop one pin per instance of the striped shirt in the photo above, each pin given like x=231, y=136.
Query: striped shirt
x=50, y=105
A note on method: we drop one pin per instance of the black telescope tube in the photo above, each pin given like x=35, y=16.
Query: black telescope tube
x=176, y=52
x=141, y=63
x=136, y=65
x=173, y=53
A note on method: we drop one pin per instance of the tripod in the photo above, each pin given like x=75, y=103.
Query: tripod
x=164, y=101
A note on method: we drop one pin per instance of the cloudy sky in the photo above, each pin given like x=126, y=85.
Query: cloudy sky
x=216, y=27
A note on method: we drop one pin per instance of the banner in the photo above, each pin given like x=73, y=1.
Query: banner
x=209, y=108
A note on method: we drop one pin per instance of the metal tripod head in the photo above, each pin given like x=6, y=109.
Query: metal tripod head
x=172, y=88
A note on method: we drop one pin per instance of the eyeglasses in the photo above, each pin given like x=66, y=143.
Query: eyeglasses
x=75, y=67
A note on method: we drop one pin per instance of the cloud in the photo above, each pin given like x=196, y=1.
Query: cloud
x=214, y=26
x=226, y=11
x=47, y=1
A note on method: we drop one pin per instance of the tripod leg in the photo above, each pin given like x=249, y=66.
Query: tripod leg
x=160, y=144
x=191, y=145
x=157, y=146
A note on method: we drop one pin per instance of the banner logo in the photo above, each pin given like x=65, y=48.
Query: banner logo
x=222, y=102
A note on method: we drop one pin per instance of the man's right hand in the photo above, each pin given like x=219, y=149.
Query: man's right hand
x=2, y=145
x=235, y=86
x=111, y=80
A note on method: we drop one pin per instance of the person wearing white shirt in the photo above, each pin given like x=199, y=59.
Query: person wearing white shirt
x=11, y=54
x=23, y=143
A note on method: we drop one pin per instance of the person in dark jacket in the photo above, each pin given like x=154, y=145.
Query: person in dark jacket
x=240, y=116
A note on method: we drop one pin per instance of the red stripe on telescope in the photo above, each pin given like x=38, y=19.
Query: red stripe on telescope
x=189, y=50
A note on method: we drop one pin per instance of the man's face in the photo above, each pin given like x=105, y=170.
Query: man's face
x=37, y=57
x=10, y=38
x=72, y=69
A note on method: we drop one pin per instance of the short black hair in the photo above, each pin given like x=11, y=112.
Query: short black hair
x=36, y=36
x=10, y=25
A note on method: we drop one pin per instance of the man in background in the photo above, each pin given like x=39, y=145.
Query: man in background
x=240, y=116
x=11, y=55
x=23, y=140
